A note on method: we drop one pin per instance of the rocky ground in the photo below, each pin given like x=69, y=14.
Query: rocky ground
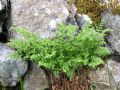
x=42, y=17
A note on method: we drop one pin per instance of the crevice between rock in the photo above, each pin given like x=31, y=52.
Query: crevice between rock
x=5, y=20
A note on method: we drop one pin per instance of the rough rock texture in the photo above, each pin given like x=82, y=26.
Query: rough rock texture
x=35, y=78
x=1, y=23
x=83, y=20
x=113, y=23
x=110, y=74
x=3, y=3
x=39, y=16
x=11, y=70
x=5, y=20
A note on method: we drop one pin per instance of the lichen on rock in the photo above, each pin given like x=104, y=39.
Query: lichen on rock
x=11, y=69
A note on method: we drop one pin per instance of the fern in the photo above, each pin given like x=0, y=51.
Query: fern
x=64, y=53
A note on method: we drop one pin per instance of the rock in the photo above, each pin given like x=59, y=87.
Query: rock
x=109, y=74
x=11, y=70
x=1, y=23
x=71, y=21
x=83, y=20
x=35, y=79
x=112, y=22
x=108, y=3
x=3, y=3
x=73, y=10
x=5, y=20
x=1, y=8
x=39, y=16
x=42, y=18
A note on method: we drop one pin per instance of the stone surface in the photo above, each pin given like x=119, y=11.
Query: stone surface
x=11, y=70
x=35, y=79
x=39, y=16
x=5, y=20
x=113, y=23
x=109, y=74
x=83, y=20
x=3, y=3
x=72, y=9
x=71, y=21
x=2, y=13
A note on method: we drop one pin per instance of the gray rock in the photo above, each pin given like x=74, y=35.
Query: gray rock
x=112, y=22
x=35, y=79
x=1, y=23
x=83, y=20
x=73, y=10
x=3, y=3
x=106, y=76
x=108, y=3
x=5, y=20
x=39, y=16
x=71, y=21
x=2, y=6
x=11, y=69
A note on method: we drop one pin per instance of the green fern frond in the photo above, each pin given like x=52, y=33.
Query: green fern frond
x=64, y=53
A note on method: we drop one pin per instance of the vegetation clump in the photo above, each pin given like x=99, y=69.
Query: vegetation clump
x=64, y=53
x=91, y=8
x=115, y=7
x=94, y=8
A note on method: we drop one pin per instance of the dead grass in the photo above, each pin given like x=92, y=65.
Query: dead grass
x=80, y=81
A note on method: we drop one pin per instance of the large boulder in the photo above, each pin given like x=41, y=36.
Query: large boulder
x=108, y=77
x=113, y=23
x=39, y=16
x=11, y=69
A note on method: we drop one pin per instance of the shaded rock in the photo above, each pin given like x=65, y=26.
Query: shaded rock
x=3, y=3
x=11, y=69
x=112, y=22
x=5, y=20
x=1, y=23
x=39, y=16
x=108, y=77
x=71, y=21
x=83, y=20
x=35, y=79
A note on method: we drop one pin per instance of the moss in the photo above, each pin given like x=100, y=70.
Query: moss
x=115, y=7
x=116, y=10
x=92, y=8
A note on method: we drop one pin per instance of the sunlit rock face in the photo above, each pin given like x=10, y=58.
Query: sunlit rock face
x=113, y=23
x=108, y=77
x=11, y=69
x=39, y=16
x=35, y=79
